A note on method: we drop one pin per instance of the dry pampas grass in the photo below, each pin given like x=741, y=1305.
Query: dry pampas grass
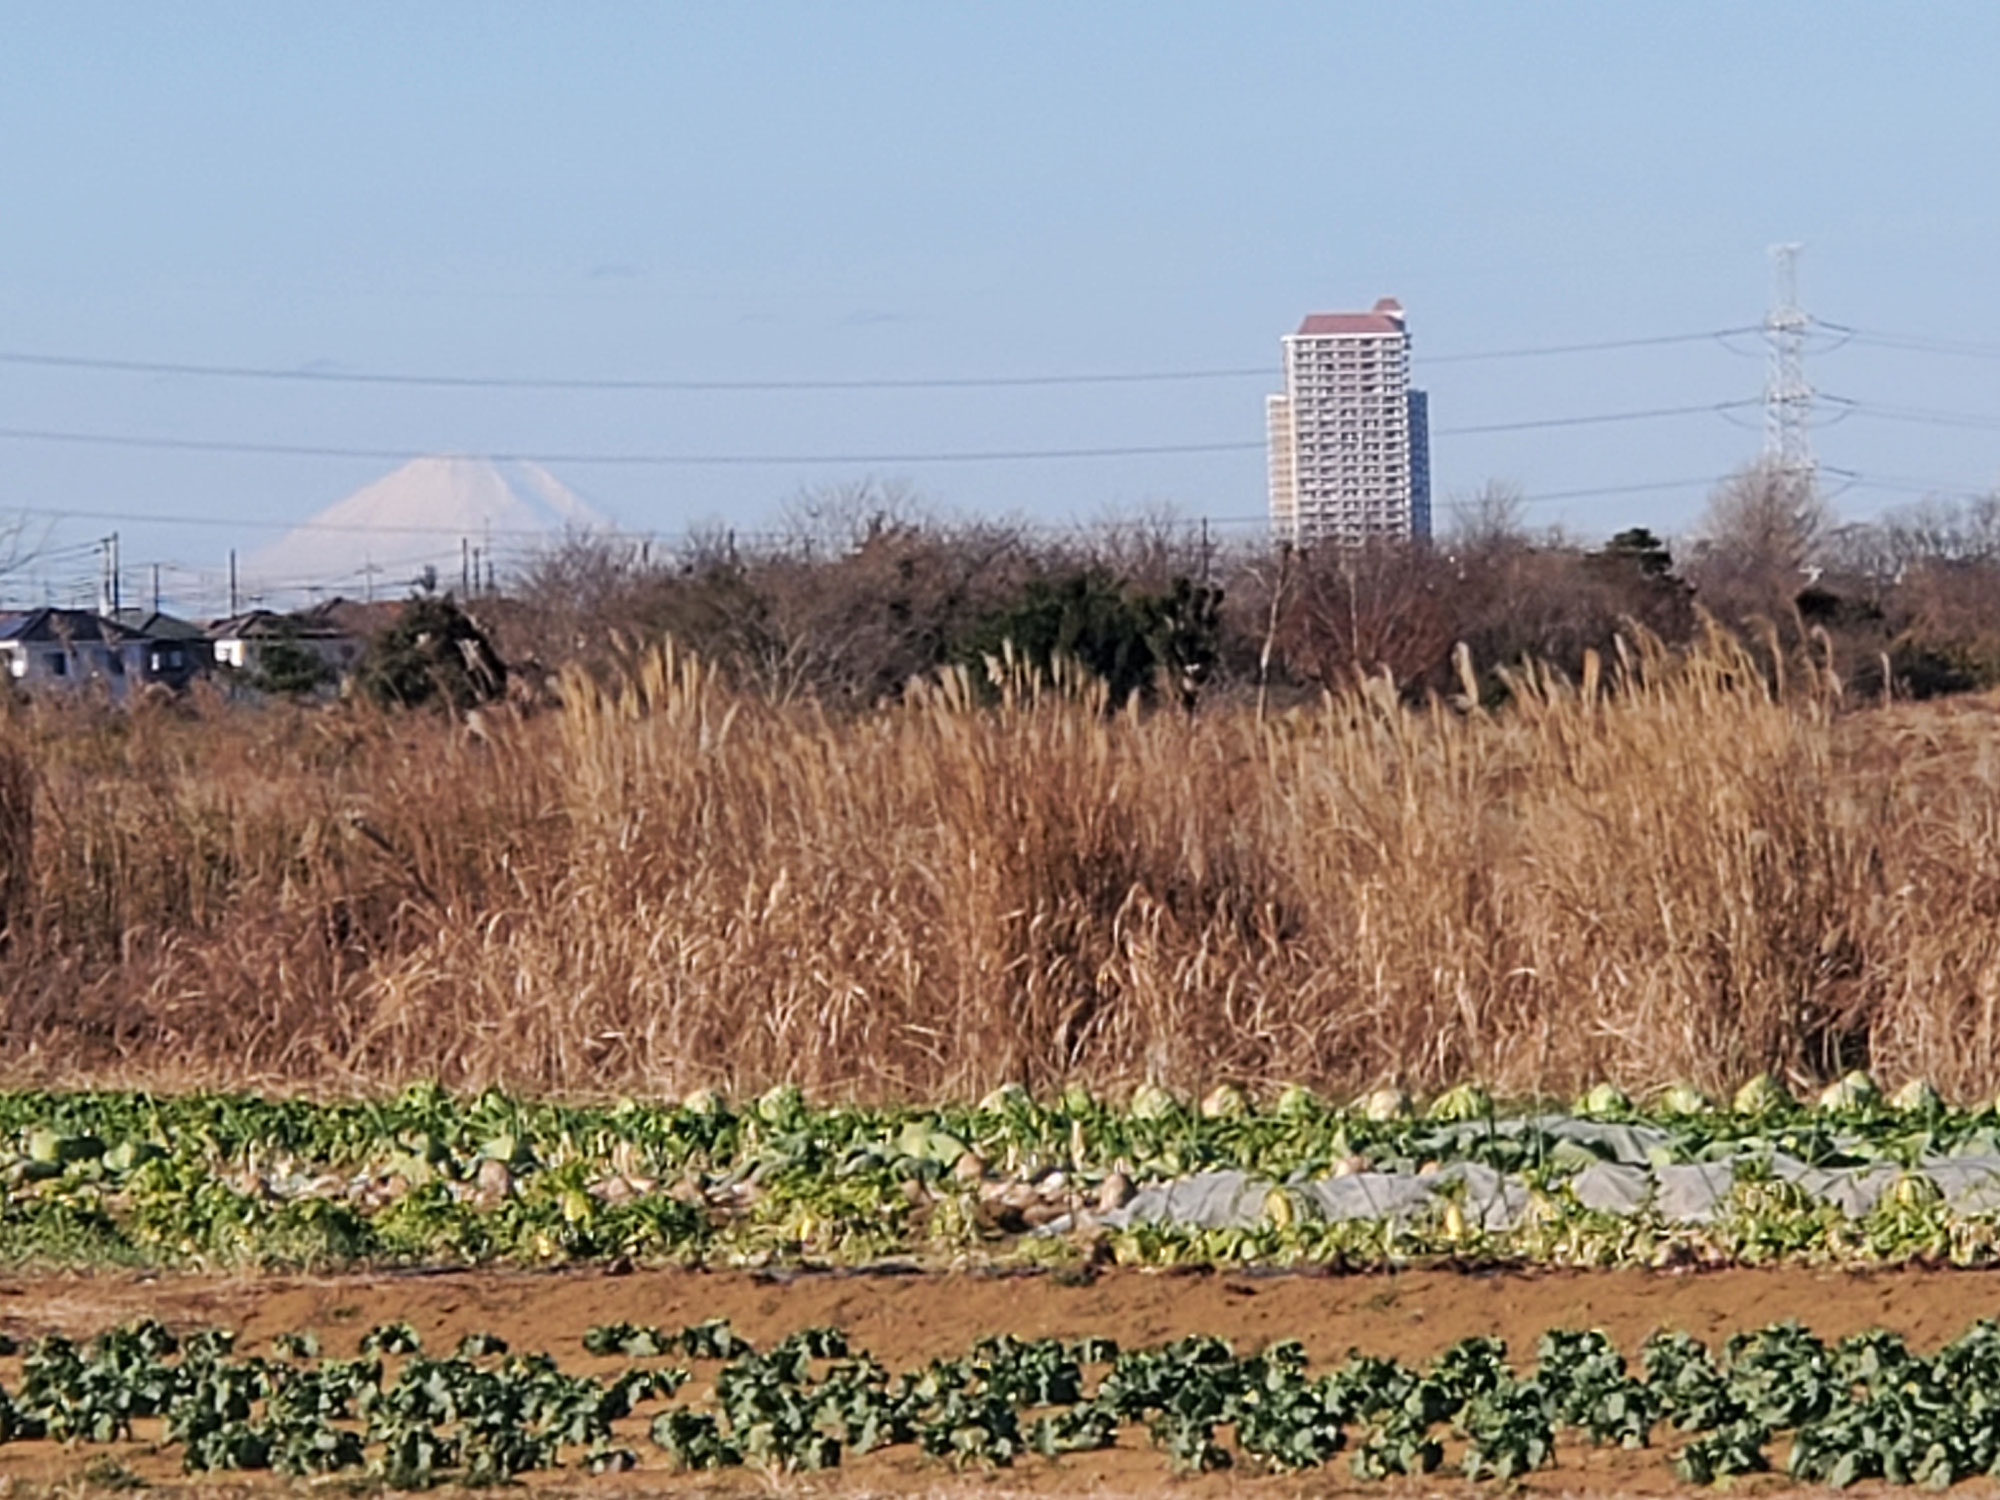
x=1670, y=870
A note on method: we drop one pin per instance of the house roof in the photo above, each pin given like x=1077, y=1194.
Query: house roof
x=1385, y=317
x=156, y=625
x=331, y=619
x=64, y=625
x=354, y=616
x=266, y=624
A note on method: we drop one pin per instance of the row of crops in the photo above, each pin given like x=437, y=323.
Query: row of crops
x=1850, y=1175
x=703, y=1398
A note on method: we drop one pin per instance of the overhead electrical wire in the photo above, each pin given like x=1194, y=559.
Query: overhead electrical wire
x=1709, y=409
x=255, y=523
x=1922, y=415
x=335, y=376
x=204, y=579
x=601, y=383
x=617, y=533
x=1595, y=491
x=1914, y=343
x=634, y=460
x=787, y=460
x=1897, y=484
x=1712, y=335
x=323, y=376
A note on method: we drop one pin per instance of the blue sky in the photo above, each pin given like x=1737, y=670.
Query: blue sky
x=888, y=191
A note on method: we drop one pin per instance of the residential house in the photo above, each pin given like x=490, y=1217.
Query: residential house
x=72, y=648
x=177, y=650
x=361, y=619
x=334, y=633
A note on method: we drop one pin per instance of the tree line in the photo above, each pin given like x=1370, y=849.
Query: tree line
x=862, y=591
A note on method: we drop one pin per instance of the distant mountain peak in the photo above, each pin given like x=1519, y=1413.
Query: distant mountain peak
x=431, y=513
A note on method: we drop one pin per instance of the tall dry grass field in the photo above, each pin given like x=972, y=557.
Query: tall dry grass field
x=1669, y=873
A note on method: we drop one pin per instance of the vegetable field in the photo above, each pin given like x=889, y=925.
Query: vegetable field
x=197, y=1181
x=625, y=1397
x=435, y=1288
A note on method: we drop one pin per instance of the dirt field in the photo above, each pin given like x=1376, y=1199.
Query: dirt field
x=906, y=1320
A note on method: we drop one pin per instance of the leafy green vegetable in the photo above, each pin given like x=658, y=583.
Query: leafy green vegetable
x=429, y=1178
x=1866, y=1408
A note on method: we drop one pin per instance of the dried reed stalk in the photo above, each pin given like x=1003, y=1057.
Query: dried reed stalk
x=1663, y=872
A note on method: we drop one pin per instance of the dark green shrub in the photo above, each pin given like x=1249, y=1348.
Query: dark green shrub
x=1125, y=636
x=433, y=651
x=287, y=665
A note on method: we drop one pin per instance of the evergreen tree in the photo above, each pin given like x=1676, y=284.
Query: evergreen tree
x=433, y=651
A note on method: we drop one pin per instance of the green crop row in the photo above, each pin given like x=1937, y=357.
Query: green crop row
x=426, y=1176
x=1226, y=1124
x=426, y=1131
x=1865, y=1407
x=1761, y=1223
x=205, y=1224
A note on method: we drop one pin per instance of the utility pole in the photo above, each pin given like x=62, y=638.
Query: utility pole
x=1787, y=395
x=464, y=567
x=107, y=575
x=156, y=588
x=232, y=583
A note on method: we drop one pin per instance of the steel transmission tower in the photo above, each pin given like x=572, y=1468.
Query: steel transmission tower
x=1787, y=397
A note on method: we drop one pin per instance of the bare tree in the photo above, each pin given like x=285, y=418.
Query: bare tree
x=832, y=520
x=1865, y=551
x=1941, y=530
x=1767, y=517
x=1360, y=610
x=1490, y=520
x=1149, y=546
x=1762, y=530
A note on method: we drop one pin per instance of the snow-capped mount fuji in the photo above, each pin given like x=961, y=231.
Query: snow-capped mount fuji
x=431, y=513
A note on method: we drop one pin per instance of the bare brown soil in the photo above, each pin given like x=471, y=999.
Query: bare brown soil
x=907, y=1320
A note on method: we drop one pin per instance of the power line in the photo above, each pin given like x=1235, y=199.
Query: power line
x=1921, y=415
x=637, y=460
x=1711, y=408
x=203, y=579
x=1897, y=484
x=1713, y=335
x=1913, y=342
x=742, y=460
x=603, y=383
x=205, y=371
x=627, y=534
x=254, y=523
x=69, y=550
x=1597, y=491
x=1263, y=518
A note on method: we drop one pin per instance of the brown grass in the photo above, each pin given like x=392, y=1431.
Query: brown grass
x=1672, y=873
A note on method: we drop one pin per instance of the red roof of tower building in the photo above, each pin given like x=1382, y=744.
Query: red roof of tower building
x=1385, y=317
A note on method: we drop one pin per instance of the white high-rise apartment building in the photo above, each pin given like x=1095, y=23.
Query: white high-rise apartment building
x=1350, y=441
